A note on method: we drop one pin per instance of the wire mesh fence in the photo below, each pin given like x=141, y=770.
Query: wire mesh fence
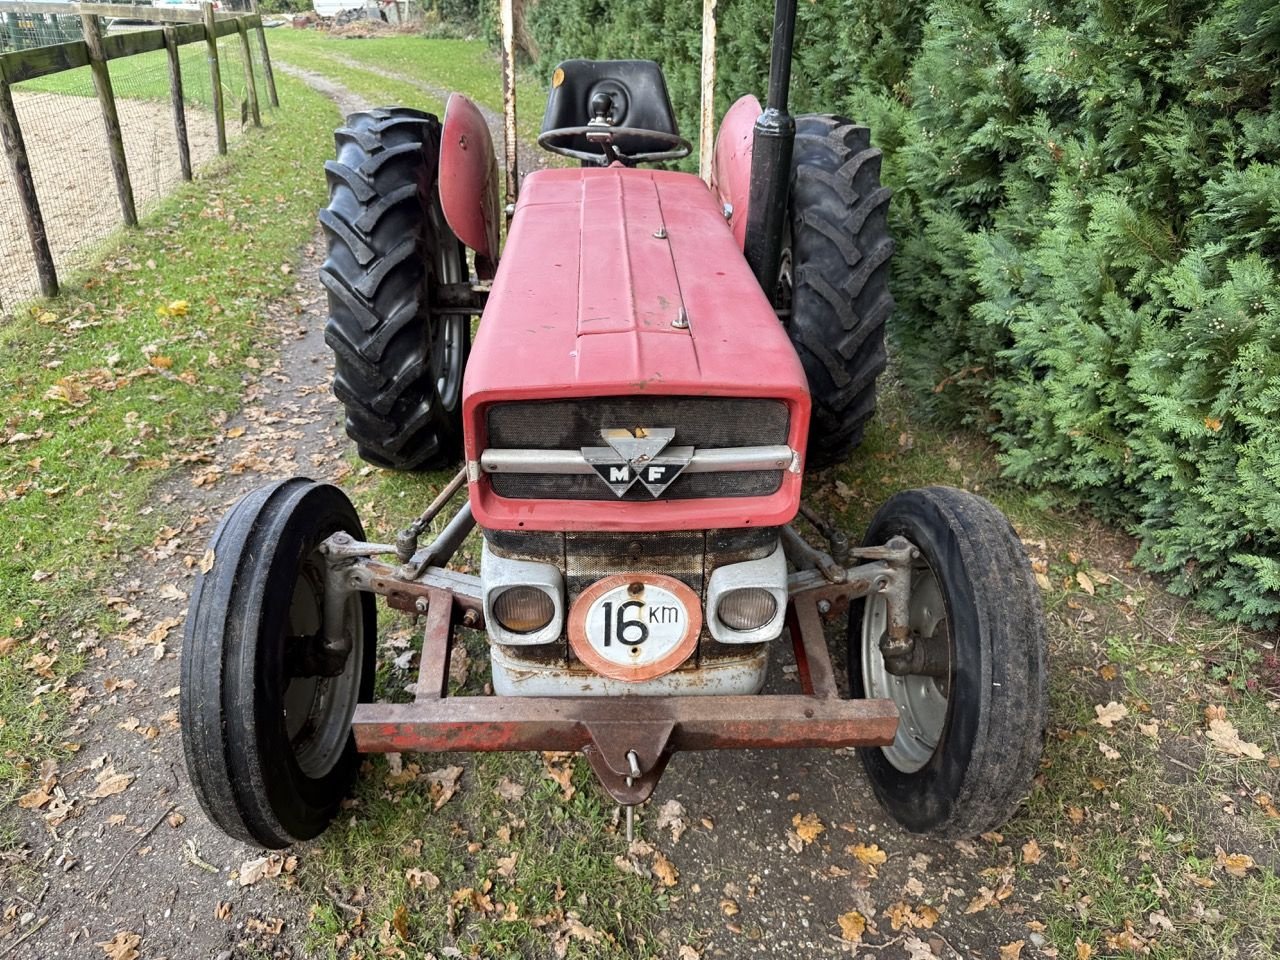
x=68, y=150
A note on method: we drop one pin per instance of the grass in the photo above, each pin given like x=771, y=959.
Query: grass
x=118, y=382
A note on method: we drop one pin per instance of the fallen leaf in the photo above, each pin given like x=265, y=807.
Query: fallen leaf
x=1237, y=865
x=665, y=870
x=507, y=866
x=400, y=922
x=870, y=855
x=1223, y=735
x=1108, y=751
x=1086, y=585
x=559, y=767
x=671, y=815
x=1083, y=950
x=1108, y=671
x=729, y=907
x=272, y=865
x=123, y=946
x=421, y=878
x=1108, y=715
x=1012, y=951
x=110, y=783
x=688, y=953
x=985, y=898
x=808, y=827
x=852, y=926
x=206, y=562
x=444, y=784
x=509, y=790
x=1031, y=852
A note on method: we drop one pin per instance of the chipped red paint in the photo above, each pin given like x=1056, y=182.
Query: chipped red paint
x=469, y=177
x=731, y=169
x=598, y=264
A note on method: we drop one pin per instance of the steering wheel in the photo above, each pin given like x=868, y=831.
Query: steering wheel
x=606, y=136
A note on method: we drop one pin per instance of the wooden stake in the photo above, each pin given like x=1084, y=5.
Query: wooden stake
x=179, y=107
x=272, y=98
x=215, y=74
x=110, y=119
x=707, y=111
x=249, y=82
x=16, y=149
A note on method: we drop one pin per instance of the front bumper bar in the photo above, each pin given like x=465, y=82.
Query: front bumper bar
x=627, y=740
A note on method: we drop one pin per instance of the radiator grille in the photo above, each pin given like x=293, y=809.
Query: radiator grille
x=704, y=423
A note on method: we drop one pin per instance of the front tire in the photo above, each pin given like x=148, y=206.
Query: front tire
x=969, y=742
x=267, y=736
x=397, y=364
x=835, y=278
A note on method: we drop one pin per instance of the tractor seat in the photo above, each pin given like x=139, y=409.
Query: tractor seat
x=627, y=94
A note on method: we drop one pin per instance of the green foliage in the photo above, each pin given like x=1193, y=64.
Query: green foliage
x=1088, y=218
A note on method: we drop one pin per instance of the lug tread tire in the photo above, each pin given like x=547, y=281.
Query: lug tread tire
x=233, y=755
x=841, y=251
x=992, y=743
x=379, y=273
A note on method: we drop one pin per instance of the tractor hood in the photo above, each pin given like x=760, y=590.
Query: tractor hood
x=625, y=282
x=622, y=281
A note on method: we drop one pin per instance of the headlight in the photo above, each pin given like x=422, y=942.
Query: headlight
x=748, y=608
x=523, y=609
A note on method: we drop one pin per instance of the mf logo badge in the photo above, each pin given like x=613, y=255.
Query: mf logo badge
x=642, y=454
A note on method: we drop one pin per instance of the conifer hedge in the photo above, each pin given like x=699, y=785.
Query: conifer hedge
x=1088, y=214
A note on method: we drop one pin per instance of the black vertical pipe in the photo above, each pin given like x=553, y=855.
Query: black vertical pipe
x=771, y=149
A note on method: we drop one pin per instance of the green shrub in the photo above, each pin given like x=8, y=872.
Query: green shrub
x=1088, y=217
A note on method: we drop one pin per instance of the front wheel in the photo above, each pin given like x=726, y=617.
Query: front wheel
x=266, y=717
x=971, y=725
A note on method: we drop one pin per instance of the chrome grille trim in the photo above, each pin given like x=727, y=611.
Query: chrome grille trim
x=721, y=460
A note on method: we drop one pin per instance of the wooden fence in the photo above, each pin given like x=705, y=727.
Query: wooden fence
x=95, y=50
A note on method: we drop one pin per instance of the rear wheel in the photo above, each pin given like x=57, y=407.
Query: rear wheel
x=266, y=721
x=972, y=723
x=834, y=281
x=397, y=363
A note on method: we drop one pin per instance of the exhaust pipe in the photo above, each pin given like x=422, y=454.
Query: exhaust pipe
x=771, y=149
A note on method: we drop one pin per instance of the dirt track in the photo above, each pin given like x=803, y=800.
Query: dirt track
x=72, y=171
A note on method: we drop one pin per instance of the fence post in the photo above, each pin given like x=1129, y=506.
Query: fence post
x=250, y=85
x=110, y=119
x=179, y=108
x=267, y=74
x=215, y=74
x=16, y=149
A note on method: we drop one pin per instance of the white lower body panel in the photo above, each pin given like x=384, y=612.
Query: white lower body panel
x=516, y=676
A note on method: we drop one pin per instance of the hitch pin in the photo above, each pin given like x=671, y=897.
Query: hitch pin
x=634, y=761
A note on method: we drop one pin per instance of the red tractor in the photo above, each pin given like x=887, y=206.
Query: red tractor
x=659, y=360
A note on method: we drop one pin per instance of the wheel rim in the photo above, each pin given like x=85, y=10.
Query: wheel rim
x=447, y=331
x=318, y=710
x=922, y=701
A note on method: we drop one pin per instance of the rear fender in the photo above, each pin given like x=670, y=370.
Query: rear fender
x=469, y=181
x=731, y=169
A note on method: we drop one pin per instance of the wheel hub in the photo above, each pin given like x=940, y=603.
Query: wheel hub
x=922, y=700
